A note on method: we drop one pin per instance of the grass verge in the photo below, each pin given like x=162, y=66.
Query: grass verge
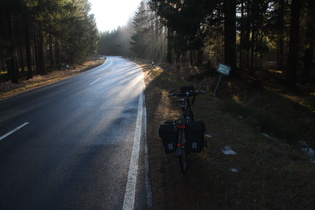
x=288, y=118
x=265, y=172
x=8, y=89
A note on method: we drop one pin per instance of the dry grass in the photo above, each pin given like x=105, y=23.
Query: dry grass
x=266, y=172
x=8, y=89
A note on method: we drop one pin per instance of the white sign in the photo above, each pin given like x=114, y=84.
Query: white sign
x=223, y=69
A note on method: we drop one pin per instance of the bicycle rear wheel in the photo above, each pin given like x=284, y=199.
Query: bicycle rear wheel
x=183, y=161
x=183, y=157
x=191, y=115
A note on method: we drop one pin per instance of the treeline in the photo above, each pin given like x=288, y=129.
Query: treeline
x=239, y=33
x=116, y=42
x=36, y=34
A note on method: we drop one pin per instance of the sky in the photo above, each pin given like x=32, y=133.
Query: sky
x=110, y=14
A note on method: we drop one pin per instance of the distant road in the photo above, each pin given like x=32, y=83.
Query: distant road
x=76, y=144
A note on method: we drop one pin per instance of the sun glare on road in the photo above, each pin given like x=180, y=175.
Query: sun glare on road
x=110, y=14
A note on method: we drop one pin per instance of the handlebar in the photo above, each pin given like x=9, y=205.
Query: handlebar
x=186, y=93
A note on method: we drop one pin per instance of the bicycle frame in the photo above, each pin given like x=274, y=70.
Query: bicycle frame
x=181, y=151
x=187, y=113
x=182, y=123
x=180, y=126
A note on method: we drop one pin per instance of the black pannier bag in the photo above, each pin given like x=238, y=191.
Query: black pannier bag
x=195, y=136
x=168, y=134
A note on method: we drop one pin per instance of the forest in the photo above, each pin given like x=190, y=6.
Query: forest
x=243, y=34
x=37, y=35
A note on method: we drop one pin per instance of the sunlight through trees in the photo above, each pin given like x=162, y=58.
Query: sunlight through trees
x=243, y=34
x=37, y=33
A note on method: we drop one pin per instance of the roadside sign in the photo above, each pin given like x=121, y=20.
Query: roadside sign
x=223, y=69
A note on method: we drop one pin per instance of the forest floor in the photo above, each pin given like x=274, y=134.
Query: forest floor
x=258, y=138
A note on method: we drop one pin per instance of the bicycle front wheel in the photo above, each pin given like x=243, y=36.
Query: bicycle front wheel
x=183, y=157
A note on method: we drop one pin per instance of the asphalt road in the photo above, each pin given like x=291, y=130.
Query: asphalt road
x=77, y=144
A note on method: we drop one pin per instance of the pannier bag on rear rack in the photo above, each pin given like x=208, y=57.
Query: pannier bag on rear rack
x=168, y=134
x=195, y=136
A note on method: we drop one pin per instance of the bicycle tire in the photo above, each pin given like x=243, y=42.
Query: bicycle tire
x=191, y=115
x=183, y=157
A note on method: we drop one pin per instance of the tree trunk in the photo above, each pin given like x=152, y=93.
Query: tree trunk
x=252, y=51
x=230, y=33
x=11, y=63
x=241, y=60
x=41, y=52
x=51, y=54
x=191, y=58
x=21, y=55
x=308, y=62
x=36, y=49
x=291, y=71
x=248, y=28
x=281, y=35
x=199, y=57
x=309, y=51
x=28, y=51
x=170, y=45
x=58, y=53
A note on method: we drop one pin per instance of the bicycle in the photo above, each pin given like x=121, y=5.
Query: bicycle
x=183, y=135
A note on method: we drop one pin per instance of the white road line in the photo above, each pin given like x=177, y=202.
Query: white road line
x=146, y=163
x=108, y=62
x=130, y=192
x=95, y=81
x=14, y=130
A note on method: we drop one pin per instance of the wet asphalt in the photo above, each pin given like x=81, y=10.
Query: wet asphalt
x=68, y=145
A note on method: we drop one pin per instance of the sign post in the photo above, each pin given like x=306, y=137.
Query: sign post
x=224, y=70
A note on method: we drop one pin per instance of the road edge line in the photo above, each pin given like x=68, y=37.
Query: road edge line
x=130, y=191
x=146, y=164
